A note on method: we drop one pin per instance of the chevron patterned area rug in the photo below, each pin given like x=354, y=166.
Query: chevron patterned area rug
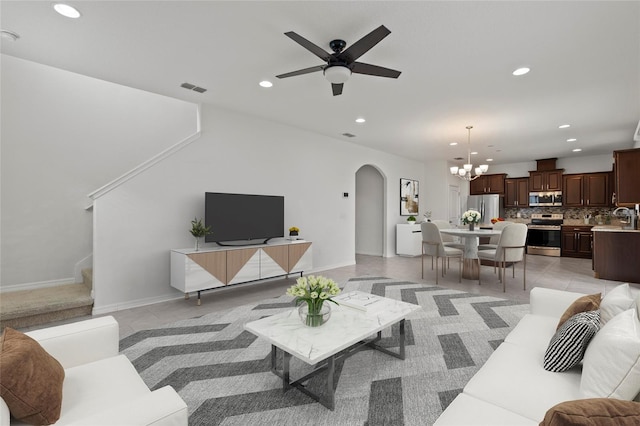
x=223, y=372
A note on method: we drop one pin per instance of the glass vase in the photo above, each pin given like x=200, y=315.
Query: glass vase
x=316, y=317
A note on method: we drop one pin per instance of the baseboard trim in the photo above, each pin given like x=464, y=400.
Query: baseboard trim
x=100, y=310
x=38, y=284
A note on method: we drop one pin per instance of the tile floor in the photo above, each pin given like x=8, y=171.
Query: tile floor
x=552, y=272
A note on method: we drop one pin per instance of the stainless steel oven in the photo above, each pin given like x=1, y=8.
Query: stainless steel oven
x=543, y=235
x=538, y=199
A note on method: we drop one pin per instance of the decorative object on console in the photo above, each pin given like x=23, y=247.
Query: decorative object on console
x=471, y=217
x=293, y=231
x=314, y=291
x=411, y=220
x=30, y=379
x=568, y=345
x=408, y=197
x=427, y=216
x=198, y=230
x=465, y=171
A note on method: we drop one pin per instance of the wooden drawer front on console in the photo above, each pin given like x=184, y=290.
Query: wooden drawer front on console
x=300, y=257
x=204, y=270
x=274, y=261
x=243, y=265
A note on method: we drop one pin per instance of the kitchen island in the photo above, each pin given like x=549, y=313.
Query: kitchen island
x=616, y=253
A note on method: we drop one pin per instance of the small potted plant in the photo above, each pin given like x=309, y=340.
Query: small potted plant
x=198, y=230
x=411, y=220
x=293, y=231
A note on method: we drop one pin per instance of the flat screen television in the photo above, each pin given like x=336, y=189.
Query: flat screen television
x=243, y=217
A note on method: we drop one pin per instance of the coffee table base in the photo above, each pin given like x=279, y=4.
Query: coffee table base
x=328, y=364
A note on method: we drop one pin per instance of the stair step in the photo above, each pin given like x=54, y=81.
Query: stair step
x=20, y=309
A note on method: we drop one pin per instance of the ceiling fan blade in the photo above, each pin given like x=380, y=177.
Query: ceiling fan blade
x=300, y=72
x=362, y=68
x=316, y=50
x=363, y=45
x=337, y=88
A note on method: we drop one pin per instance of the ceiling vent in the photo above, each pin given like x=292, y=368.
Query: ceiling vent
x=193, y=87
x=349, y=135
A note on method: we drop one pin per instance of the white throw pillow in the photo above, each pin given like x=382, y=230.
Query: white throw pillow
x=615, y=301
x=611, y=364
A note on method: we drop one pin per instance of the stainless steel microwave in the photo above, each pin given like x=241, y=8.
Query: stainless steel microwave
x=545, y=199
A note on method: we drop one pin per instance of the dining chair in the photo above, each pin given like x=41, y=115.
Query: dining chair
x=433, y=246
x=510, y=249
x=493, y=241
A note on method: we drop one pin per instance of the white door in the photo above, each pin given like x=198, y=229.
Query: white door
x=454, y=204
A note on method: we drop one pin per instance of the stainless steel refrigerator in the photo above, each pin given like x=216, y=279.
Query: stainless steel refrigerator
x=489, y=206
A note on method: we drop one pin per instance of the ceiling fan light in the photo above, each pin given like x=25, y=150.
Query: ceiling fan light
x=337, y=74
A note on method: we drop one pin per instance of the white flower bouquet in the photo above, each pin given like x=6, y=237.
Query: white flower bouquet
x=314, y=291
x=471, y=216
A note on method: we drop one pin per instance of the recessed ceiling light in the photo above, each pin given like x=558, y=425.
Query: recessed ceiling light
x=9, y=35
x=360, y=120
x=572, y=140
x=577, y=150
x=66, y=10
x=453, y=143
x=521, y=71
x=266, y=83
x=564, y=126
x=474, y=153
x=489, y=159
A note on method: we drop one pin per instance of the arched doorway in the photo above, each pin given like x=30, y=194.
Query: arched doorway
x=370, y=211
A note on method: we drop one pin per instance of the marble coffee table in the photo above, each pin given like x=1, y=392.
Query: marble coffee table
x=343, y=335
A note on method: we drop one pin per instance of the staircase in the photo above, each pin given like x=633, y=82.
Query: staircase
x=26, y=308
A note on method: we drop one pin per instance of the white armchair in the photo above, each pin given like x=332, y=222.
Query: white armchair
x=101, y=387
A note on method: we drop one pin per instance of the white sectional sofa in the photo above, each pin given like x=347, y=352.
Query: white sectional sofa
x=101, y=387
x=512, y=387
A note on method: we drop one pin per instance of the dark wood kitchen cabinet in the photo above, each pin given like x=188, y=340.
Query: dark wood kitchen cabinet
x=577, y=241
x=586, y=190
x=516, y=192
x=488, y=184
x=550, y=180
x=627, y=175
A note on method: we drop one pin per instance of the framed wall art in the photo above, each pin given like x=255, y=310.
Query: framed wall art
x=408, y=197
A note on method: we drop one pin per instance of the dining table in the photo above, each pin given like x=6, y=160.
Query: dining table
x=471, y=263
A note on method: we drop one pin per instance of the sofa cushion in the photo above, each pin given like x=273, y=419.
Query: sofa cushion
x=617, y=300
x=513, y=379
x=119, y=384
x=567, y=347
x=467, y=410
x=534, y=331
x=30, y=379
x=593, y=412
x=611, y=366
x=590, y=302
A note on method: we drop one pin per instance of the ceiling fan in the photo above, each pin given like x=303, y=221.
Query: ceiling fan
x=340, y=64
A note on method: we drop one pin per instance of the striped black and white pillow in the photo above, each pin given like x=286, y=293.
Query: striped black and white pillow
x=566, y=348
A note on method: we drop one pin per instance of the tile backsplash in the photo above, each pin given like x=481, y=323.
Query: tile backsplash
x=570, y=213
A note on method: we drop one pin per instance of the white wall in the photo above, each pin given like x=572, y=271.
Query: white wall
x=138, y=223
x=369, y=211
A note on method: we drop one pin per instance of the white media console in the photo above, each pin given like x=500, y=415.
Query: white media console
x=210, y=268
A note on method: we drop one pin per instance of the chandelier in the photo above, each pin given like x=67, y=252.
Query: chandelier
x=465, y=171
